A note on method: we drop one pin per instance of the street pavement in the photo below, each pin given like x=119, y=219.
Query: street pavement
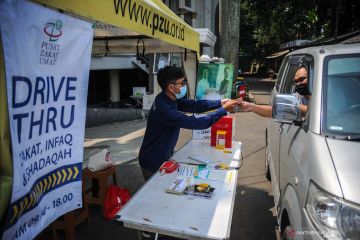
x=253, y=216
x=254, y=213
x=122, y=140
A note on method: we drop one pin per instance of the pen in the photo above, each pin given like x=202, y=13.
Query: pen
x=197, y=164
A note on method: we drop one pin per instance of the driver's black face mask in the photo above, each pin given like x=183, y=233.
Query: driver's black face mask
x=302, y=89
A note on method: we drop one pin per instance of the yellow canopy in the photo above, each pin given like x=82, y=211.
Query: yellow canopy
x=148, y=17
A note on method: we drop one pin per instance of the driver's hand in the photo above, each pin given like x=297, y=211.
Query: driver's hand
x=247, y=107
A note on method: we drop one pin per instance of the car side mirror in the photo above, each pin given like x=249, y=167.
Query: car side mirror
x=286, y=109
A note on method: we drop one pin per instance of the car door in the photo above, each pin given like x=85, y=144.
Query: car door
x=292, y=139
x=273, y=135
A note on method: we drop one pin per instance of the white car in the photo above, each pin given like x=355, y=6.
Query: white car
x=314, y=159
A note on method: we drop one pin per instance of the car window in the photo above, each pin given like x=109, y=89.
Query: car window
x=341, y=109
x=288, y=85
x=308, y=62
x=281, y=73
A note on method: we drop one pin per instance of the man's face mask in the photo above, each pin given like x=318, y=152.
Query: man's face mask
x=182, y=93
x=183, y=89
x=301, y=88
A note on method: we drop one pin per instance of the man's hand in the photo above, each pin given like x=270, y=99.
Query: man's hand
x=225, y=100
x=247, y=107
x=239, y=100
x=230, y=105
x=262, y=110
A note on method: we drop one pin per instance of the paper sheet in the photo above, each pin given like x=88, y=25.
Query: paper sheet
x=216, y=175
x=201, y=159
x=187, y=170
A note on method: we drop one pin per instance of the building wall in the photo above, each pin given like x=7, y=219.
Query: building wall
x=204, y=12
x=205, y=18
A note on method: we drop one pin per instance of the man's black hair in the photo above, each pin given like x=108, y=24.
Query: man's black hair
x=303, y=66
x=168, y=75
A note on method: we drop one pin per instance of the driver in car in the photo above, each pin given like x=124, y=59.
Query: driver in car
x=301, y=89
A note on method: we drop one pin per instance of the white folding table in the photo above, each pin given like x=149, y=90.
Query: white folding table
x=190, y=217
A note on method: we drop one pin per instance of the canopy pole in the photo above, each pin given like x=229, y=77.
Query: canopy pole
x=6, y=167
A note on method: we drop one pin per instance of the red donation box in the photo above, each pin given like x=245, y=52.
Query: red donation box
x=223, y=124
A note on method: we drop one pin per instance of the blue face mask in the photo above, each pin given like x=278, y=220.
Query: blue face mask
x=182, y=93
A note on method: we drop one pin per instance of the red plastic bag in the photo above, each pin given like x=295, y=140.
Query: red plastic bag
x=116, y=197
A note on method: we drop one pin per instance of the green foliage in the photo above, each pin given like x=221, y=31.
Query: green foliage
x=265, y=24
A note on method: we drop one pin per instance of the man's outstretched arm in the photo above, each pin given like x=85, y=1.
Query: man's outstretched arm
x=262, y=110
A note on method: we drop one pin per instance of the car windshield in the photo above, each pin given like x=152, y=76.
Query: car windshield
x=341, y=111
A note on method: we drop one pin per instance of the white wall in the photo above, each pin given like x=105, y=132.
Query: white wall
x=103, y=63
x=190, y=71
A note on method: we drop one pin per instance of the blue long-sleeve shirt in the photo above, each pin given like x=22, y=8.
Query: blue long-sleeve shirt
x=164, y=123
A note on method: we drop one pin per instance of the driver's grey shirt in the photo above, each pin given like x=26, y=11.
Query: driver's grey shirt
x=303, y=99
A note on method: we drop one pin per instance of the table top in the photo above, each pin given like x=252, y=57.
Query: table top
x=152, y=209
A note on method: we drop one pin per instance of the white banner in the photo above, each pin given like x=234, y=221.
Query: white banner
x=47, y=60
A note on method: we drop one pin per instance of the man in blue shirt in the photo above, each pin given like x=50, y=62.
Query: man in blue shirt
x=166, y=117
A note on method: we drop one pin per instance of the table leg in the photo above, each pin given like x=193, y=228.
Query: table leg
x=139, y=235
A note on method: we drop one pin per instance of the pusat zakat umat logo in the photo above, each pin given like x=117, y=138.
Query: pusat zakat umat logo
x=53, y=30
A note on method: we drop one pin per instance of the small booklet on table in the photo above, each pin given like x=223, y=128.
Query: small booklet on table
x=200, y=190
x=179, y=185
x=185, y=185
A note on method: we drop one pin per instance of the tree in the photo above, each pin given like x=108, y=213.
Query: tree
x=229, y=26
x=267, y=24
